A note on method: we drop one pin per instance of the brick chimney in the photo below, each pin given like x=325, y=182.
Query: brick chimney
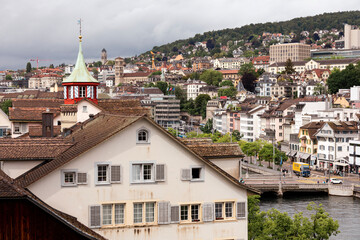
x=47, y=124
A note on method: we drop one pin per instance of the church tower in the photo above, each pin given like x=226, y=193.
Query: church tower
x=80, y=84
x=103, y=56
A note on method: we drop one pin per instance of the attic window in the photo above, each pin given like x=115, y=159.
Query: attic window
x=142, y=136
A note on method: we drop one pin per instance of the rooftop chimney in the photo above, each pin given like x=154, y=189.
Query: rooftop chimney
x=47, y=124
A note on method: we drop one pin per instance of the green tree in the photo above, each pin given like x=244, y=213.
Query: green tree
x=277, y=225
x=346, y=78
x=95, y=71
x=211, y=77
x=228, y=92
x=28, y=67
x=208, y=127
x=172, y=132
x=289, y=67
x=200, y=104
x=8, y=77
x=249, y=75
x=236, y=134
x=155, y=73
x=226, y=83
x=162, y=86
x=51, y=66
x=5, y=105
x=181, y=95
x=319, y=89
x=266, y=153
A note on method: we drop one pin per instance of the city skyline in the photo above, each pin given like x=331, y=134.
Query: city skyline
x=49, y=30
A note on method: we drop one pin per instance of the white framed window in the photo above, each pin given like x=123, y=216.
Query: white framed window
x=84, y=109
x=144, y=212
x=105, y=173
x=190, y=213
x=142, y=136
x=147, y=172
x=72, y=178
x=69, y=178
x=82, y=91
x=102, y=175
x=113, y=214
x=224, y=210
x=197, y=173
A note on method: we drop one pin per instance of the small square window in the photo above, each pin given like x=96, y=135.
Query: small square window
x=84, y=109
x=196, y=173
x=69, y=178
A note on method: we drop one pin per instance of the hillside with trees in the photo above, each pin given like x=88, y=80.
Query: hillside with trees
x=247, y=33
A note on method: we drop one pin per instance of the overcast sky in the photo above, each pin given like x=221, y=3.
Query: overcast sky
x=49, y=30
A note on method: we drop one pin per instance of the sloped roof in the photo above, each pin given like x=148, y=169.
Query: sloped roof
x=87, y=135
x=125, y=107
x=343, y=126
x=32, y=149
x=10, y=190
x=80, y=74
x=29, y=113
x=216, y=150
x=312, y=128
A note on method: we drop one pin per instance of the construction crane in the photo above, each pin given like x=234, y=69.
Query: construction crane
x=37, y=60
x=152, y=60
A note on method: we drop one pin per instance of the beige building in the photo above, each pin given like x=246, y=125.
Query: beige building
x=293, y=51
x=44, y=81
x=351, y=37
x=114, y=174
x=119, y=70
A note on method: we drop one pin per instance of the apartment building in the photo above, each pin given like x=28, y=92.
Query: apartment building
x=167, y=111
x=293, y=51
x=351, y=37
x=333, y=144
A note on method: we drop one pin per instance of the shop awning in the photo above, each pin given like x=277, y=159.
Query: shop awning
x=305, y=156
x=341, y=164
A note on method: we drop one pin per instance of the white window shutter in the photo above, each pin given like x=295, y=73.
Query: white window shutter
x=175, y=214
x=164, y=212
x=92, y=91
x=240, y=210
x=81, y=178
x=185, y=174
x=76, y=91
x=115, y=174
x=94, y=216
x=88, y=91
x=65, y=92
x=97, y=93
x=71, y=92
x=208, y=212
x=160, y=172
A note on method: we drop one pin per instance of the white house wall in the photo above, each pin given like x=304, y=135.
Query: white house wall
x=84, y=115
x=122, y=149
x=16, y=168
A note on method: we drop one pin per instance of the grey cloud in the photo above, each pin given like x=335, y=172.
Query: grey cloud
x=49, y=30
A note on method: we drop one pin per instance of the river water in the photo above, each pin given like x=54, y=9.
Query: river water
x=344, y=209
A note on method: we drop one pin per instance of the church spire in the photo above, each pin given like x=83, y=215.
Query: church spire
x=80, y=84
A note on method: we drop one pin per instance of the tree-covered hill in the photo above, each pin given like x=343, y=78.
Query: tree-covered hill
x=326, y=21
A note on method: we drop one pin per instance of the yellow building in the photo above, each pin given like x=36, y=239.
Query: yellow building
x=308, y=141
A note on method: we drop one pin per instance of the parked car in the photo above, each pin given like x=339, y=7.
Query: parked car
x=336, y=181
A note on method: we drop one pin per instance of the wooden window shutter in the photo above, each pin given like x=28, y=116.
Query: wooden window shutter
x=175, y=214
x=185, y=174
x=208, y=212
x=76, y=91
x=164, y=212
x=88, y=91
x=240, y=210
x=115, y=175
x=95, y=218
x=160, y=172
x=82, y=178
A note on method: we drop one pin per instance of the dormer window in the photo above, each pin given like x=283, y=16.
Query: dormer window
x=142, y=136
